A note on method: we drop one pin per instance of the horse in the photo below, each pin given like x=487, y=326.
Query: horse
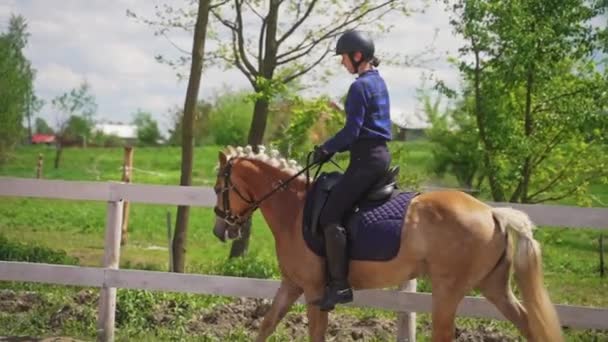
x=457, y=241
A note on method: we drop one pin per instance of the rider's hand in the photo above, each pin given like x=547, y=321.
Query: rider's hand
x=321, y=155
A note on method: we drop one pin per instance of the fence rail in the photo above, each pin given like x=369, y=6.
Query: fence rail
x=541, y=214
x=394, y=300
x=109, y=277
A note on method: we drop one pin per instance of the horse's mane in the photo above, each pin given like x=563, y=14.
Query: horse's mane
x=273, y=159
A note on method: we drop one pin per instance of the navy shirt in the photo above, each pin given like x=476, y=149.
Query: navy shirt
x=367, y=109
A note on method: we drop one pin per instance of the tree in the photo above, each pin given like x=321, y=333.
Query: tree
x=536, y=94
x=456, y=147
x=196, y=68
x=282, y=45
x=16, y=84
x=42, y=127
x=75, y=111
x=275, y=43
x=200, y=127
x=147, y=128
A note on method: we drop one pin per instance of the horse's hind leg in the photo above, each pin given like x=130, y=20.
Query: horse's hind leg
x=496, y=288
x=287, y=294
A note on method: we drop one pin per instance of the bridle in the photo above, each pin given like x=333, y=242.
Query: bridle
x=238, y=220
x=226, y=214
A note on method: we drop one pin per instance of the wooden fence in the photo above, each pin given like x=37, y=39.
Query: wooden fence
x=109, y=277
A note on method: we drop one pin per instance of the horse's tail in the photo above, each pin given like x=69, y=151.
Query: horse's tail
x=542, y=317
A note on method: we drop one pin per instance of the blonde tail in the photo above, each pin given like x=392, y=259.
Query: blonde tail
x=542, y=317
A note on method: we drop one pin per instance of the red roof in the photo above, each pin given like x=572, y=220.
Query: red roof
x=43, y=139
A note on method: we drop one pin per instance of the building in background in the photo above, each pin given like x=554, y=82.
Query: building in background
x=409, y=126
x=46, y=139
x=125, y=132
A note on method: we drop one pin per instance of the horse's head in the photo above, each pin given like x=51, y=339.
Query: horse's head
x=235, y=204
x=244, y=181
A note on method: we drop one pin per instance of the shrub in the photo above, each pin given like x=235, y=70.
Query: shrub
x=16, y=251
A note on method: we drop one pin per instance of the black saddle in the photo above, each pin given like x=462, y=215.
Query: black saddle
x=379, y=193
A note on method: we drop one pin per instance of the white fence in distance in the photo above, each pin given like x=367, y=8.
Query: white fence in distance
x=110, y=277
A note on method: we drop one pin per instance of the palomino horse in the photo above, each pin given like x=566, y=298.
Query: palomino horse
x=455, y=240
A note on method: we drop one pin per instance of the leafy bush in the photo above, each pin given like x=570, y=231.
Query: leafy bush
x=249, y=266
x=134, y=307
x=230, y=119
x=456, y=147
x=311, y=122
x=15, y=251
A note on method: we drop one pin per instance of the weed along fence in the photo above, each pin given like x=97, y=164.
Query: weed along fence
x=406, y=301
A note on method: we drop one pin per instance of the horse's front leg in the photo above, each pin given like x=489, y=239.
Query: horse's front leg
x=317, y=319
x=317, y=323
x=287, y=294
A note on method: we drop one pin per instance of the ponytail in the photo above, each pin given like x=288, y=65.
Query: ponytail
x=374, y=61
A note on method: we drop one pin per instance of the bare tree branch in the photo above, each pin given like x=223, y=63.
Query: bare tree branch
x=299, y=22
x=219, y=4
x=237, y=31
x=237, y=61
x=308, y=68
x=258, y=14
x=241, y=39
x=542, y=106
x=305, y=46
x=173, y=43
x=261, y=43
x=566, y=193
x=548, y=148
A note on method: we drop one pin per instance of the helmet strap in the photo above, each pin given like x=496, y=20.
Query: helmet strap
x=355, y=64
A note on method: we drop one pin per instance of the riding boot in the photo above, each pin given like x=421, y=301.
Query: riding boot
x=338, y=289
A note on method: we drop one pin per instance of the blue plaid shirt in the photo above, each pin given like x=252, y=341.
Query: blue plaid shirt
x=367, y=109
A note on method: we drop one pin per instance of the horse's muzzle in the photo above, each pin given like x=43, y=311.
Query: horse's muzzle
x=219, y=230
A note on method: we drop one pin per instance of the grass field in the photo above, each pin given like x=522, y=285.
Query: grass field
x=570, y=256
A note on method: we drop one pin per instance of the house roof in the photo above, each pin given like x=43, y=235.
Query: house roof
x=120, y=130
x=43, y=138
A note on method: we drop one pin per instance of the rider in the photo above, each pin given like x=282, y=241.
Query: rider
x=365, y=135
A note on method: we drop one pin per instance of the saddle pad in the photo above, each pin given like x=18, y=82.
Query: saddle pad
x=374, y=232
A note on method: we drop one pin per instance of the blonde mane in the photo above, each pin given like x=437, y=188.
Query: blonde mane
x=274, y=158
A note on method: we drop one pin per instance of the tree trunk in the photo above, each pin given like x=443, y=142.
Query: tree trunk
x=260, y=110
x=256, y=136
x=258, y=123
x=495, y=188
x=198, y=51
x=58, y=153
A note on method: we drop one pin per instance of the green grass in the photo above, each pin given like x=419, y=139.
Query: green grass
x=151, y=165
x=571, y=259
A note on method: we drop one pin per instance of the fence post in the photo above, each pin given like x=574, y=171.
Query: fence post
x=127, y=177
x=602, y=255
x=39, y=166
x=107, y=299
x=170, y=241
x=406, y=321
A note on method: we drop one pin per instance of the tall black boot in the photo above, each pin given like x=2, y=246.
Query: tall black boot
x=338, y=289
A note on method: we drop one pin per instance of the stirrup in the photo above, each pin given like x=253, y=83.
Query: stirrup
x=333, y=296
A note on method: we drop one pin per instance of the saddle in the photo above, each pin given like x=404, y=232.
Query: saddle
x=380, y=192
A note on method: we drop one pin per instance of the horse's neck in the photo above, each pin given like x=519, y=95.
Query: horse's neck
x=282, y=207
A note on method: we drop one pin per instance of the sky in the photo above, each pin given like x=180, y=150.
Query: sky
x=94, y=40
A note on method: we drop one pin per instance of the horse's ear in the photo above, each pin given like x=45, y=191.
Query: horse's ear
x=223, y=158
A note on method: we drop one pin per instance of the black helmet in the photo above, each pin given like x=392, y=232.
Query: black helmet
x=353, y=41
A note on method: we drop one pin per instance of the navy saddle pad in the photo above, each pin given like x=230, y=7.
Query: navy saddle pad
x=374, y=232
